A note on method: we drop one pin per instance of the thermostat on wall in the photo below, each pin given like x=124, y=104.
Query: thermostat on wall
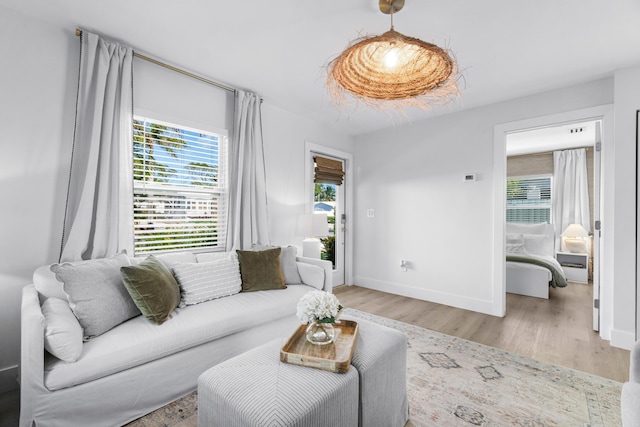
x=470, y=177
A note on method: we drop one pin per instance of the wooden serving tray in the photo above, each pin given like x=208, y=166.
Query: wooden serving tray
x=334, y=357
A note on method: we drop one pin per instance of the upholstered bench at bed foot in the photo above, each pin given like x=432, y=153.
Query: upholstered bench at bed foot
x=380, y=357
x=256, y=389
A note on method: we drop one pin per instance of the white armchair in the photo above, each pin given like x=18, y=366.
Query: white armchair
x=630, y=401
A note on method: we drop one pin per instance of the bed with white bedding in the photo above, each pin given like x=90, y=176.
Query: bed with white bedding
x=531, y=267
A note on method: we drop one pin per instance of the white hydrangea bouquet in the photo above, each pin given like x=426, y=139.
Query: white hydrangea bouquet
x=320, y=310
x=318, y=306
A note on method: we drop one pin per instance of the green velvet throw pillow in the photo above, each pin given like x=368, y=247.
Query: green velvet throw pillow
x=153, y=288
x=260, y=270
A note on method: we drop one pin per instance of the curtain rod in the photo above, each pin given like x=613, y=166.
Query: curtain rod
x=177, y=70
x=542, y=153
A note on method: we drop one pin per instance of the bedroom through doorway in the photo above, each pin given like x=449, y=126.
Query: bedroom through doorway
x=553, y=180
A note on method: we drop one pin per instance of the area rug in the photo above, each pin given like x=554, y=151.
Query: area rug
x=455, y=382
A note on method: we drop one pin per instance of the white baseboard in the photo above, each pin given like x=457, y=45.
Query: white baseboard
x=9, y=378
x=622, y=339
x=473, y=304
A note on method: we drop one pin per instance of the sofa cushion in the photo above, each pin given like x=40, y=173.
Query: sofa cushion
x=62, y=332
x=138, y=341
x=153, y=289
x=96, y=293
x=204, y=281
x=260, y=270
x=288, y=256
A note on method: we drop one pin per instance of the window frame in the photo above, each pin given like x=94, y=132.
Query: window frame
x=217, y=197
x=524, y=206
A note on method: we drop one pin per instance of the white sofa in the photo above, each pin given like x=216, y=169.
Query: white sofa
x=138, y=366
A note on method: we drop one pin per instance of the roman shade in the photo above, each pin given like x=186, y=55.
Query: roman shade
x=328, y=171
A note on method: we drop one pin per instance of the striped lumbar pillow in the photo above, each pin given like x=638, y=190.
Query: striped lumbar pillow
x=205, y=281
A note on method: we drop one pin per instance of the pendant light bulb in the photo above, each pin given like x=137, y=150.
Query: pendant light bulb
x=391, y=58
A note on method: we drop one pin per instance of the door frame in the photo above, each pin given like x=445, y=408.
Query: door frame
x=603, y=113
x=311, y=148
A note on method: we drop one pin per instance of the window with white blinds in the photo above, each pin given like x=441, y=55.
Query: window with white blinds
x=529, y=199
x=180, y=187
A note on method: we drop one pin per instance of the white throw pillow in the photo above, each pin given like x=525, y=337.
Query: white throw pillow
x=311, y=275
x=62, y=332
x=205, y=281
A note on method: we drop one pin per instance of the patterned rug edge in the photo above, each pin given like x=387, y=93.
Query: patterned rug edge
x=382, y=320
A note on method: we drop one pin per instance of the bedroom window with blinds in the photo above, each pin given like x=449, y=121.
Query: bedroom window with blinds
x=529, y=199
x=180, y=194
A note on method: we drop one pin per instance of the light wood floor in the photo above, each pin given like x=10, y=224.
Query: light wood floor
x=557, y=330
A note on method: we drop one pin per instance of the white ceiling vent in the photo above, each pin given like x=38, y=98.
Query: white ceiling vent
x=577, y=130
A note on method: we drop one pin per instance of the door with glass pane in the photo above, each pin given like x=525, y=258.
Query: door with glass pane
x=328, y=199
x=327, y=195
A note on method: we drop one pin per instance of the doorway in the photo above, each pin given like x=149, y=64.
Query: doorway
x=532, y=197
x=326, y=198
x=604, y=114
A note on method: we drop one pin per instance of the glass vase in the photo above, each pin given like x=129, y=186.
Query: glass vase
x=320, y=333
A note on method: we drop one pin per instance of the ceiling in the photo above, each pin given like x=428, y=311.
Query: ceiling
x=505, y=48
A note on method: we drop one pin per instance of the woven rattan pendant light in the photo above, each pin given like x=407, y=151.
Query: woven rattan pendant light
x=393, y=70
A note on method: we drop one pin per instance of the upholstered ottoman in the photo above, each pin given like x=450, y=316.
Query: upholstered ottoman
x=256, y=389
x=380, y=357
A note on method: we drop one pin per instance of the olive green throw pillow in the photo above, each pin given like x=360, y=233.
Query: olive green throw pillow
x=153, y=289
x=260, y=270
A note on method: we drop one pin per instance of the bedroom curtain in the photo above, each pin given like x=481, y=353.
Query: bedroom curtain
x=96, y=224
x=570, y=191
x=248, y=221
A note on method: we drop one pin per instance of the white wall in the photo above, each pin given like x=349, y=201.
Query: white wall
x=39, y=77
x=626, y=102
x=37, y=107
x=412, y=176
x=284, y=138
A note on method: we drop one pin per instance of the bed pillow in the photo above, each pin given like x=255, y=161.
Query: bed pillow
x=260, y=270
x=512, y=238
x=288, y=256
x=153, y=289
x=204, y=281
x=96, y=293
x=536, y=244
x=522, y=228
x=515, y=248
x=312, y=275
x=62, y=332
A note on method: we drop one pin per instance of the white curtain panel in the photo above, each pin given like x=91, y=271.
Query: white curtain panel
x=570, y=191
x=99, y=211
x=248, y=221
